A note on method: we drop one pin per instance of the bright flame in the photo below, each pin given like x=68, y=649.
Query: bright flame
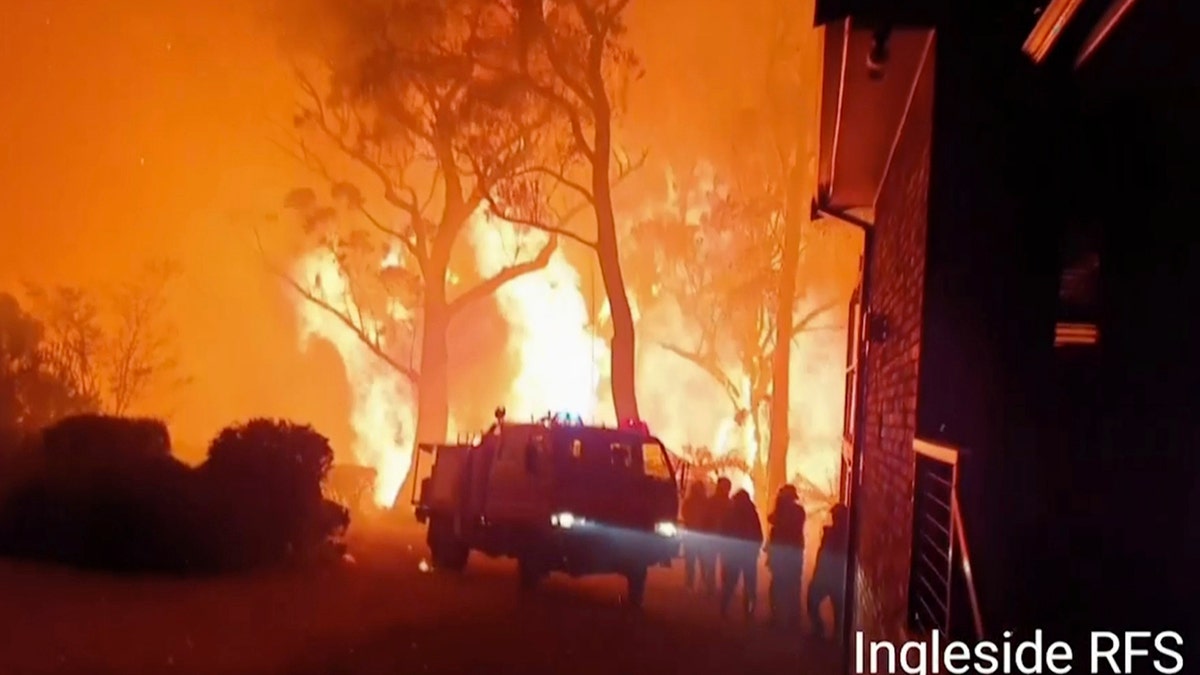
x=560, y=361
x=562, y=366
x=383, y=413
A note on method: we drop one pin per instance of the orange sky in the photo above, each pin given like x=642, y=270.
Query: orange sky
x=135, y=129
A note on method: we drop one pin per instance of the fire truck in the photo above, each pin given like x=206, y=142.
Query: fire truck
x=556, y=495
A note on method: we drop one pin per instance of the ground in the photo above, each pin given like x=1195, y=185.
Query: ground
x=379, y=615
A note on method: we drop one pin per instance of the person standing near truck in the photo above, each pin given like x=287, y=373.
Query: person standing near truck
x=693, y=512
x=743, y=540
x=830, y=576
x=715, y=509
x=785, y=557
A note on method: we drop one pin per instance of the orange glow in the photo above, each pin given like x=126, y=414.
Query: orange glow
x=1075, y=334
x=382, y=413
x=560, y=361
x=147, y=132
x=1049, y=26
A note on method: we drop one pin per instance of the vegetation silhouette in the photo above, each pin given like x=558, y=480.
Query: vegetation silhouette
x=105, y=493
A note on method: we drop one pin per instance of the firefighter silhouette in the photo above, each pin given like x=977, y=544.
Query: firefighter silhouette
x=693, y=512
x=742, y=540
x=785, y=557
x=830, y=576
x=713, y=516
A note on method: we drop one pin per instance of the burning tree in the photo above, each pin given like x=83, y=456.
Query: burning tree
x=772, y=161
x=719, y=257
x=790, y=125
x=574, y=58
x=423, y=98
x=704, y=466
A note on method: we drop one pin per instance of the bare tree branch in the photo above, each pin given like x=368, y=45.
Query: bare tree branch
x=706, y=365
x=391, y=189
x=560, y=178
x=803, y=323
x=493, y=283
x=309, y=159
x=553, y=230
x=355, y=326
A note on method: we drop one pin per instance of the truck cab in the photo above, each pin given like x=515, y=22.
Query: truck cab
x=557, y=496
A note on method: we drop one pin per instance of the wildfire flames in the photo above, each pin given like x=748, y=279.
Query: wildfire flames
x=561, y=365
x=561, y=361
x=383, y=414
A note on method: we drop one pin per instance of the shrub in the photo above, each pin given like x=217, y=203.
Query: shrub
x=268, y=474
x=105, y=493
x=102, y=492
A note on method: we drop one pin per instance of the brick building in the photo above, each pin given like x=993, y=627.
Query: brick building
x=1009, y=406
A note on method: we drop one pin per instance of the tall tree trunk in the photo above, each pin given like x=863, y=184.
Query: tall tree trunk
x=624, y=341
x=433, y=396
x=781, y=371
x=763, y=496
x=801, y=184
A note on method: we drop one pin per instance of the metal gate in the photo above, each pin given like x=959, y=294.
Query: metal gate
x=932, y=572
x=939, y=543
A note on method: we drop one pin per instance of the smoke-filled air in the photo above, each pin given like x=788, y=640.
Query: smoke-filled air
x=391, y=218
x=304, y=303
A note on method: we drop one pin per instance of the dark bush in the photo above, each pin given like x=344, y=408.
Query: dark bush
x=268, y=474
x=104, y=439
x=106, y=493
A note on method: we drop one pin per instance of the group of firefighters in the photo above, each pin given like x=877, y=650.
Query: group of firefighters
x=724, y=539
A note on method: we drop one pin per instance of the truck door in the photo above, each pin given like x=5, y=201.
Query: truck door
x=520, y=476
x=659, y=481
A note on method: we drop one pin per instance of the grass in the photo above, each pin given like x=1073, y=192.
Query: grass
x=379, y=614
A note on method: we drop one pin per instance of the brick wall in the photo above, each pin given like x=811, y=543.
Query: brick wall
x=893, y=370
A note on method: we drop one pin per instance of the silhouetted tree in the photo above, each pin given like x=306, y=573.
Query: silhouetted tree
x=718, y=258
x=117, y=349
x=420, y=97
x=575, y=57
x=33, y=392
x=770, y=159
x=791, y=123
x=142, y=359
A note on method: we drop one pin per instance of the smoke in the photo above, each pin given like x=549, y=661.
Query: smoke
x=148, y=132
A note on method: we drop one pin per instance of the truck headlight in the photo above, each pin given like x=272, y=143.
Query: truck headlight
x=666, y=529
x=566, y=520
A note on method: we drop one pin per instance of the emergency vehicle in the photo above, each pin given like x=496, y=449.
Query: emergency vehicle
x=556, y=495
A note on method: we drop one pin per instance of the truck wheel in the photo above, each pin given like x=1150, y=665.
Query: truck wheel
x=447, y=551
x=450, y=556
x=636, y=585
x=529, y=573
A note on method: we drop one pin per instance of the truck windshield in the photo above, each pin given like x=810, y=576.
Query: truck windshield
x=654, y=461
